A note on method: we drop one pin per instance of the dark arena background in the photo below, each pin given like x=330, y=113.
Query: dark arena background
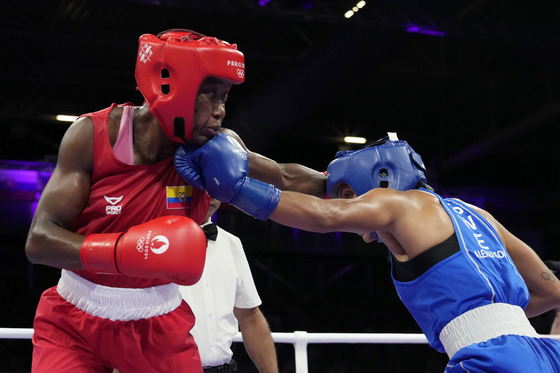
x=472, y=85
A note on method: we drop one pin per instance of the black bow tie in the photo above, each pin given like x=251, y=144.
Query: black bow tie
x=211, y=231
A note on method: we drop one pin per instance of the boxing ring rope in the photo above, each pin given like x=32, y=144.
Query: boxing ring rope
x=16, y=333
x=300, y=340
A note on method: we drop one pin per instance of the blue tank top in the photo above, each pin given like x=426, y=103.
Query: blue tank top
x=480, y=273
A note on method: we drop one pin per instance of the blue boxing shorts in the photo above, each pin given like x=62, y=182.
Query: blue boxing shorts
x=508, y=354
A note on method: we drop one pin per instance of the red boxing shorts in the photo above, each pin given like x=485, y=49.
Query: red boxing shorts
x=67, y=339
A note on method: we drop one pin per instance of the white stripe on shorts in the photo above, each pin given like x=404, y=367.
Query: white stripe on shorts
x=118, y=303
x=484, y=323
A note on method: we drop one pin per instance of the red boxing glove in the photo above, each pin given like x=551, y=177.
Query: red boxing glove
x=168, y=247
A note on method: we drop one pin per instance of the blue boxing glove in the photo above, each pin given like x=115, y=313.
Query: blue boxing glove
x=185, y=167
x=224, y=165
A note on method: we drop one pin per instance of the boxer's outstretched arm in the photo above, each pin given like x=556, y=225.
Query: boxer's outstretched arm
x=284, y=176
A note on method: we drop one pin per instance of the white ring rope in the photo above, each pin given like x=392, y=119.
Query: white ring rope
x=27, y=333
x=344, y=337
x=16, y=333
x=299, y=339
x=397, y=338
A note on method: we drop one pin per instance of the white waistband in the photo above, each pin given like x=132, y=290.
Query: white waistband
x=484, y=323
x=118, y=303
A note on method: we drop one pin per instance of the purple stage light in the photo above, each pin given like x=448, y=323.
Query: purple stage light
x=22, y=180
x=307, y=4
x=295, y=234
x=422, y=29
x=21, y=185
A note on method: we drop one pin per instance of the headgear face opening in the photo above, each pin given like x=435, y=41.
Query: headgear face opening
x=170, y=68
x=385, y=163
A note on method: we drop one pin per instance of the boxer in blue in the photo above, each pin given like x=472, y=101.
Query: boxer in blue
x=470, y=284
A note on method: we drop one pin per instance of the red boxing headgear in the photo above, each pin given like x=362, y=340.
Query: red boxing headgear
x=170, y=68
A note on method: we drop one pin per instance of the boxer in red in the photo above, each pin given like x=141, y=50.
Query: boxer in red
x=122, y=224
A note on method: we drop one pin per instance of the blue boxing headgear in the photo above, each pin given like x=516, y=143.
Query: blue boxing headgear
x=386, y=163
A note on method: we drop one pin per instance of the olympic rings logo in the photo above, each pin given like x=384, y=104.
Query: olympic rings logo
x=241, y=73
x=140, y=244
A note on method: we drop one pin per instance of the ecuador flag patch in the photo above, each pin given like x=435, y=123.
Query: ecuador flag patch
x=179, y=197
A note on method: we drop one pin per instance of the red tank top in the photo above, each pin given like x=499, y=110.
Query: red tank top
x=124, y=195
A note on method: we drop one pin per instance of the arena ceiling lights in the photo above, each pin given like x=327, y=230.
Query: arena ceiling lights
x=355, y=9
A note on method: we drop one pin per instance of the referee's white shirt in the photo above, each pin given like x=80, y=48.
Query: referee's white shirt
x=226, y=282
